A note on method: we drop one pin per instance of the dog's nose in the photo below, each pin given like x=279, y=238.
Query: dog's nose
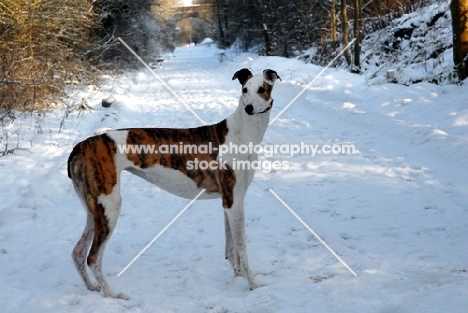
x=249, y=109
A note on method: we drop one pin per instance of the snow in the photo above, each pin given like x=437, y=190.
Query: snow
x=396, y=211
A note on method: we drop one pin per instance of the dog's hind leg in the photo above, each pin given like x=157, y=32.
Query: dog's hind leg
x=105, y=219
x=81, y=250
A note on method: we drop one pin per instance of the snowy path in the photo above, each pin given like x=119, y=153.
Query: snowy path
x=396, y=212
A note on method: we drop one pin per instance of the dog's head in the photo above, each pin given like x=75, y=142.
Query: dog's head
x=256, y=90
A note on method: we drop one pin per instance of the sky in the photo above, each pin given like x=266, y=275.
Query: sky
x=186, y=2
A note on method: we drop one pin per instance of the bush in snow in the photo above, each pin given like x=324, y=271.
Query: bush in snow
x=43, y=46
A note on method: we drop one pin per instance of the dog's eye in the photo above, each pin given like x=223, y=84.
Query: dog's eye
x=261, y=90
x=244, y=90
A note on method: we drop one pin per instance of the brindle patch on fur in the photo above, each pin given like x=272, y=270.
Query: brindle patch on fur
x=207, y=179
x=267, y=93
x=226, y=181
x=92, y=163
x=101, y=233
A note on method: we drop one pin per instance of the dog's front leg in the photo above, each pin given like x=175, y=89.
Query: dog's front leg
x=236, y=219
x=231, y=254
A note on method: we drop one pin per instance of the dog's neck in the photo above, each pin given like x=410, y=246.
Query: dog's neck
x=247, y=128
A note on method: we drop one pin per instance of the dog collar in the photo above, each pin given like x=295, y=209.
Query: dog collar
x=267, y=109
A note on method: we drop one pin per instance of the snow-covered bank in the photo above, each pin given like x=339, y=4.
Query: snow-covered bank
x=396, y=212
x=406, y=49
x=413, y=48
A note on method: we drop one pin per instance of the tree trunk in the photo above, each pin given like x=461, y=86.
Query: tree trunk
x=260, y=18
x=222, y=39
x=357, y=35
x=345, y=31
x=333, y=23
x=459, y=9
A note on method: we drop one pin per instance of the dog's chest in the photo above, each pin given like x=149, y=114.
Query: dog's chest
x=177, y=183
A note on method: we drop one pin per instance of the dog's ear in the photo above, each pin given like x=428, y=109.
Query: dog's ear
x=242, y=75
x=270, y=76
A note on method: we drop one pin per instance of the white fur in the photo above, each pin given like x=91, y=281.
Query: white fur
x=243, y=129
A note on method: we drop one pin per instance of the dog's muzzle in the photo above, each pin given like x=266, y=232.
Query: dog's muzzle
x=249, y=109
x=268, y=108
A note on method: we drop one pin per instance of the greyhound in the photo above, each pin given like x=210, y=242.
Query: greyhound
x=95, y=167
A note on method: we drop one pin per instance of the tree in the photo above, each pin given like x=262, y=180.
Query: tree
x=261, y=20
x=345, y=30
x=459, y=9
x=333, y=23
x=357, y=35
x=130, y=20
x=219, y=13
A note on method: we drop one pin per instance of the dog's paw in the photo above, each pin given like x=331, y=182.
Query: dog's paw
x=116, y=296
x=254, y=285
x=122, y=296
x=93, y=287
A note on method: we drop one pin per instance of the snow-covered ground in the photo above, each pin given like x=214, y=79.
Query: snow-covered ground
x=396, y=211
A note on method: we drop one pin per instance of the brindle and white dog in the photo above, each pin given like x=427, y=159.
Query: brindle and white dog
x=95, y=165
